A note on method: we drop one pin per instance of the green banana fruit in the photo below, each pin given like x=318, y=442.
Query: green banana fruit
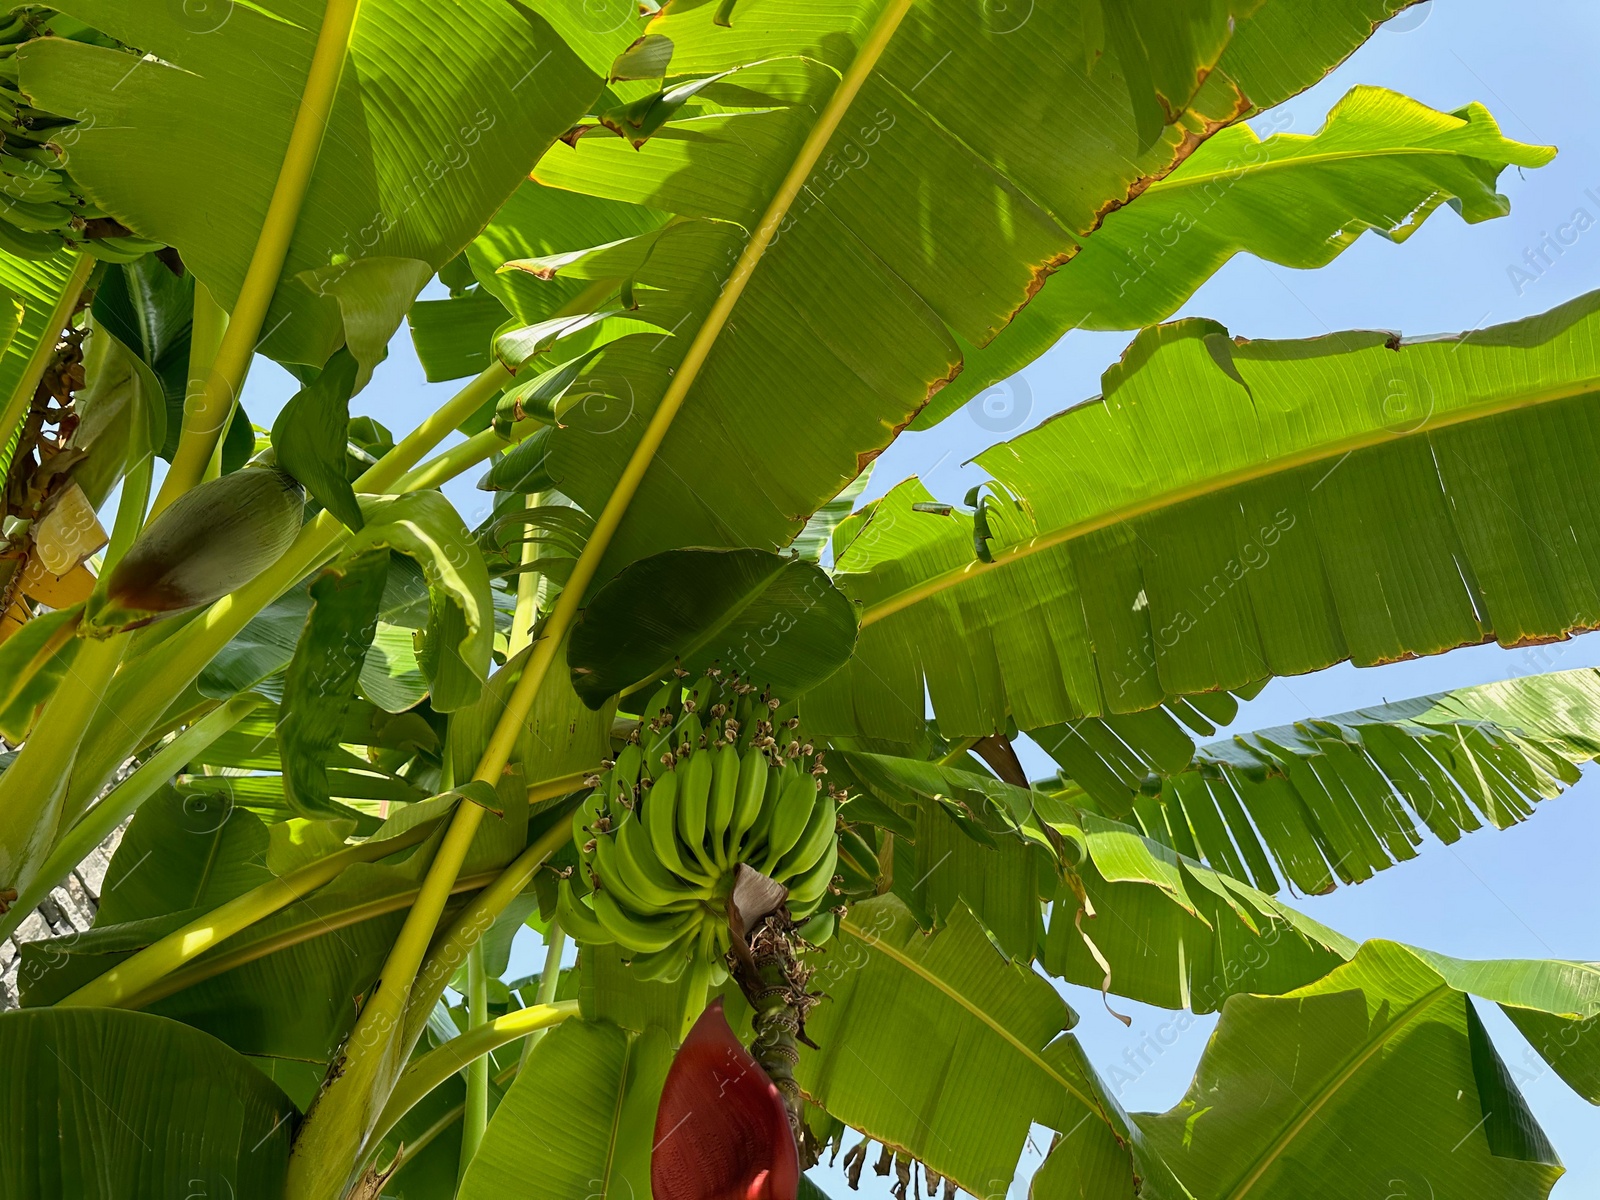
x=806, y=890
x=725, y=766
x=694, y=795
x=660, y=818
x=752, y=786
x=578, y=919
x=666, y=965
x=613, y=880
x=776, y=777
x=641, y=872
x=587, y=824
x=629, y=760
x=712, y=780
x=818, y=835
x=644, y=934
x=790, y=816
x=819, y=928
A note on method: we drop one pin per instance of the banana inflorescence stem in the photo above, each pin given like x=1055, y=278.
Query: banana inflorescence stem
x=774, y=983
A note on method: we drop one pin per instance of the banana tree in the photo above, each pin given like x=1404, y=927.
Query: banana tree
x=673, y=703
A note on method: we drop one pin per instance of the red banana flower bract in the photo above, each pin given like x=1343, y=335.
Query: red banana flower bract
x=721, y=1129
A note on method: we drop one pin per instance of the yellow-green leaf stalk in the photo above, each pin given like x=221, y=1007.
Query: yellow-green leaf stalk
x=131, y=976
x=475, y=1116
x=437, y=1066
x=555, y=942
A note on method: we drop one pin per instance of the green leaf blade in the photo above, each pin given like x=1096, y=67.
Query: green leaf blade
x=323, y=674
x=591, y=1090
x=129, y=1105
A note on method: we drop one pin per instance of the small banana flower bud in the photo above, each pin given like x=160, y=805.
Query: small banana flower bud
x=210, y=541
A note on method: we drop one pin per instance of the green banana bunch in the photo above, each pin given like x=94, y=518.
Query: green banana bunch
x=688, y=802
x=41, y=208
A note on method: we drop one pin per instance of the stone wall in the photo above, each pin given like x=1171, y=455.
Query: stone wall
x=70, y=909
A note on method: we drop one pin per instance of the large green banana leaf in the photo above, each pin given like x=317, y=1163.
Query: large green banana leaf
x=1324, y=32
x=1230, y=510
x=1287, y=1085
x=1160, y=928
x=183, y=852
x=1378, y=1080
x=124, y=1106
x=578, y=1121
x=939, y=1046
x=1381, y=162
x=1168, y=932
x=775, y=619
x=855, y=314
x=1333, y=799
x=439, y=112
x=1555, y=1004
x=1142, y=919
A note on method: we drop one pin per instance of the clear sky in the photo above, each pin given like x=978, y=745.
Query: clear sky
x=1528, y=892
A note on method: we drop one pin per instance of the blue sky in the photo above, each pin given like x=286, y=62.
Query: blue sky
x=1515, y=894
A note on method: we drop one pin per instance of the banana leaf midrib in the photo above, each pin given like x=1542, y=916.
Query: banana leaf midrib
x=1366, y=440
x=616, y=1113
x=644, y=451
x=207, y=867
x=868, y=938
x=1178, y=182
